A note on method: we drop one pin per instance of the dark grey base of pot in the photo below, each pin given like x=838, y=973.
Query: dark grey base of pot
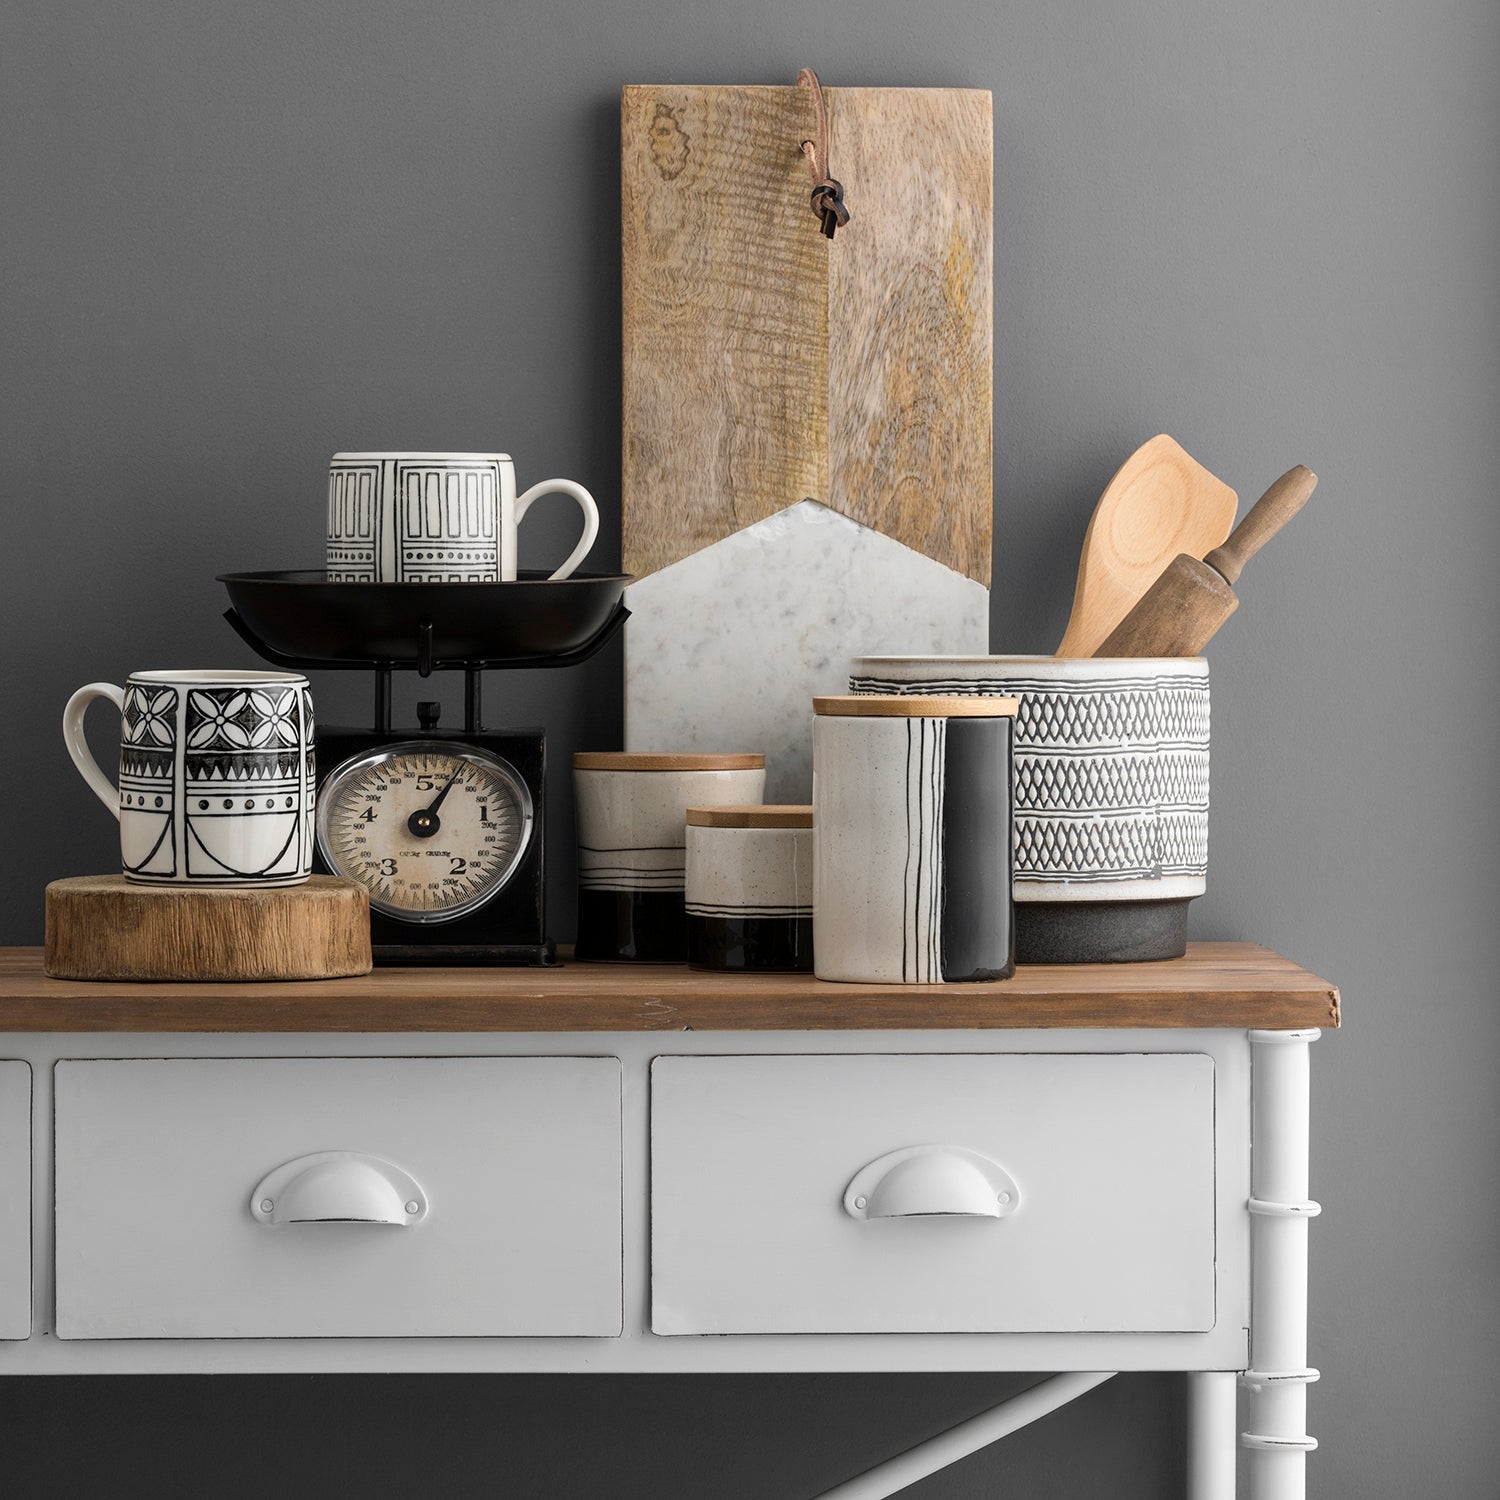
x=1100, y=932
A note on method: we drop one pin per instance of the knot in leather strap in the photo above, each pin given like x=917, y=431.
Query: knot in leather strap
x=827, y=190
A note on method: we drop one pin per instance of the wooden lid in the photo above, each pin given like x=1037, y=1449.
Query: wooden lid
x=772, y=815
x=629, y=760
x=914, y=706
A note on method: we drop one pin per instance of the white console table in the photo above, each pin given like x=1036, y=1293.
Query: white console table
x=647, y=1169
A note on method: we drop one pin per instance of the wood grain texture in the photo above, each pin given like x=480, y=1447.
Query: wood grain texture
x=1161, y=503
x=103, y=927
x=667, y=760
x=765, y=364
x=768, y=815
x=1182, y=611
x=913, y=706
x=1177, y=616
x=911, y=321
x=1215, y=985
x=1262, y=521
x=725, y=310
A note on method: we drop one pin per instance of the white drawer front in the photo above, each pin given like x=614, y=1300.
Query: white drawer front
x=517, y=1162
x=15, y=1200
x=1110, y=1229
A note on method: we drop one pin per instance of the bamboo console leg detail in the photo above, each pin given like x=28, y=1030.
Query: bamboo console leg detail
x=1280, y=1210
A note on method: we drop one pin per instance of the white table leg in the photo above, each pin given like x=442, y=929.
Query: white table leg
x=1280, y=1210
x=1211, y=1428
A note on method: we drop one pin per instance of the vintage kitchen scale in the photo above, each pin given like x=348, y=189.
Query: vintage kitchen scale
x=444, y=827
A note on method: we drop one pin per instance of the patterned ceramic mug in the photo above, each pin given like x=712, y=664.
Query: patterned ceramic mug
x=435, y=518
x=216, y=776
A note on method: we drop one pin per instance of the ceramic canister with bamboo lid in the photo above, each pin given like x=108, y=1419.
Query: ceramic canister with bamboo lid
x=749, y=888
x=912, y=859
x=631, y=847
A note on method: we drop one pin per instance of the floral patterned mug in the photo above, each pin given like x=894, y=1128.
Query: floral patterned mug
x=216, y=780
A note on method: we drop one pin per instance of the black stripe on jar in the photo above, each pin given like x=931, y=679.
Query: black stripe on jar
x=781, y=944
x=978, y=925
x=635, y=926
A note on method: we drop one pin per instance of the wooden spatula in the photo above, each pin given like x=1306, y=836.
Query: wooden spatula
x=1181, y=611
x=1161, y=503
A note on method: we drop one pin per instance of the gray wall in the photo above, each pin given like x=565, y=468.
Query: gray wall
x=237, y=237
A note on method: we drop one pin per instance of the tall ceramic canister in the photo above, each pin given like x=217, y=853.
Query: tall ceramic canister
x=632, y=846
x=912, y=839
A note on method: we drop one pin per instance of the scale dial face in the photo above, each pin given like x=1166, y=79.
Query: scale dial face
x=432, y=829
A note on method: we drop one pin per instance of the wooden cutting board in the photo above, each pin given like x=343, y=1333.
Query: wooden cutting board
x=765, y=364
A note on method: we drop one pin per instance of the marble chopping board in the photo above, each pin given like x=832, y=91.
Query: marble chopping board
x=726, y=649
x=807, y=454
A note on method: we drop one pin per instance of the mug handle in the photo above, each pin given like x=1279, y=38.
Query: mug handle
x=590, y=517
x=78, y=747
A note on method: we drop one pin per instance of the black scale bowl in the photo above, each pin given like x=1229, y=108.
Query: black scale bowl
x=532, y=621
x=302, y=621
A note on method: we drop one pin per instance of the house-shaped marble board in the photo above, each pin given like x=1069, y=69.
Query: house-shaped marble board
x=807, y=422
x=728, y=647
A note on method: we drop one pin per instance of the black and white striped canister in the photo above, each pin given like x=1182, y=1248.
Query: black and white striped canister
x=749, y=887
x=632, y=854
x=912, y=864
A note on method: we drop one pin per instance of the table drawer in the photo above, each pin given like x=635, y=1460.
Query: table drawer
x=15, y=1200
x=1101, y=1165
x=417, y=1196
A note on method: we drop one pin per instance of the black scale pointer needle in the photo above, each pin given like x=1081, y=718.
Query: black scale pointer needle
x=425, y=821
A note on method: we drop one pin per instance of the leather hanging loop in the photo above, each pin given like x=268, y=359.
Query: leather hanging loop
x=827, y=191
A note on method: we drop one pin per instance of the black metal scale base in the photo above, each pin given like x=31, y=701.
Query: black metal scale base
x=446, y=828
x=509, y=928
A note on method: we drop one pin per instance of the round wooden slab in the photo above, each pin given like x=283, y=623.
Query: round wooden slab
x=106, y=927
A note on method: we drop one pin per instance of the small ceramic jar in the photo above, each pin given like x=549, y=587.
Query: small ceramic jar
x=631, y=811
x=749, y=888
x=912, y=864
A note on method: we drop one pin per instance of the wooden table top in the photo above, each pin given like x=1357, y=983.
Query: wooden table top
x=1235, y=985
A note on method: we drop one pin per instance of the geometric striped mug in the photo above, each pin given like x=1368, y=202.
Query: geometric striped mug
x=216, y=782
x=435, y=518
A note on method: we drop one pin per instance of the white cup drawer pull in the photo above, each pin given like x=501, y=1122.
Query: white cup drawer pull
x=338, y=1187
x=929, y=1181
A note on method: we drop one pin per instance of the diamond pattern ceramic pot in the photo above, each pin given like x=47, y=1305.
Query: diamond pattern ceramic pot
x=1111, y=793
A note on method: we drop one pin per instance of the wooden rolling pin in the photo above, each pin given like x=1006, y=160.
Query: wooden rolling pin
x=1179, y=614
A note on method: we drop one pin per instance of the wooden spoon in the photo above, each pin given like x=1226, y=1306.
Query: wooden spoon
x=1161, y=503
